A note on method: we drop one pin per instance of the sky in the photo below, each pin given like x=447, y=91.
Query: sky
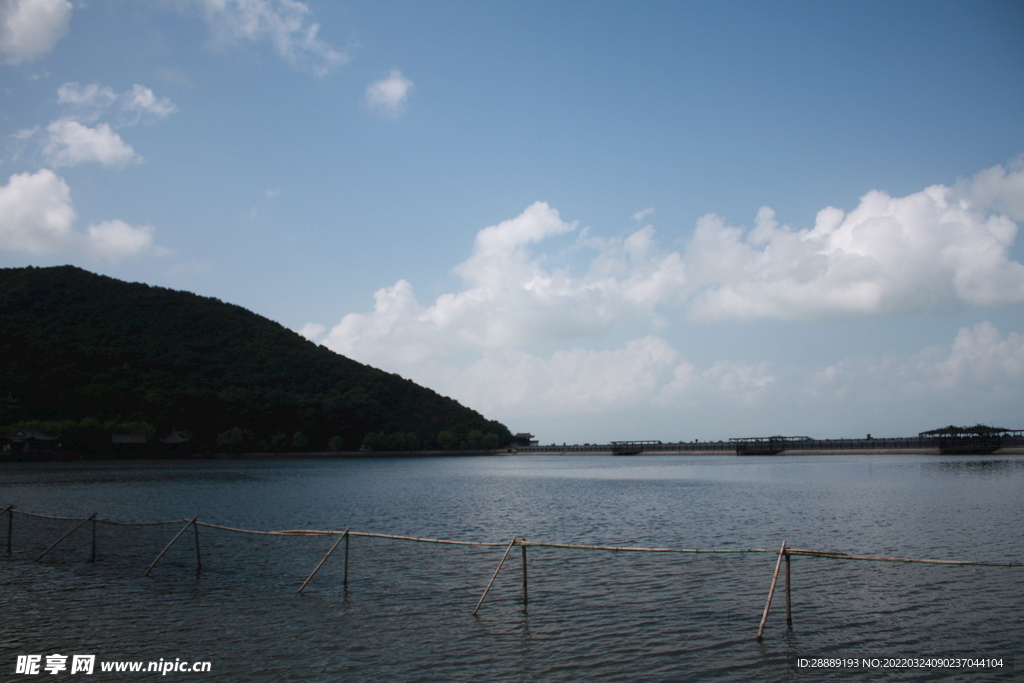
x=591, y=221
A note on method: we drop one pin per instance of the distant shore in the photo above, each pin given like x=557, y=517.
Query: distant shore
x=1016, y=450
x=570, y=450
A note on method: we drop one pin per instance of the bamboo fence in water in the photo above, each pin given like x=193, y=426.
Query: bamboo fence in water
x=784, y=552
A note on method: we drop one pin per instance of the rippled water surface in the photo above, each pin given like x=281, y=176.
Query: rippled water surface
x=591, y=615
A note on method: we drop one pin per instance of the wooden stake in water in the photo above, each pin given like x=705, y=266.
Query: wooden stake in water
x=526, y=596
x=313, y=573
x=76, y=527
x=789, y=611
x=10, y=523
x=345, y=579
x=93, y=558
x=771, y=591
x=167, y=547
x=489, y=583
x=199, y=560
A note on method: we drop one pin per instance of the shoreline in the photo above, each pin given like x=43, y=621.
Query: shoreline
x=351, y=455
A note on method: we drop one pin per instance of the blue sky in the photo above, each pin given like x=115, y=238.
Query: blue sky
x=588, y=220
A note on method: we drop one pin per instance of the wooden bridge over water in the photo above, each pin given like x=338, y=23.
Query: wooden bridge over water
x=1009, y=441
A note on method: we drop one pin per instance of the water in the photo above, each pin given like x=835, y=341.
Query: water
x=592, y=615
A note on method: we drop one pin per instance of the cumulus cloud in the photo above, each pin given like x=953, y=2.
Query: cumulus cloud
x=389, y=95
x=511, y=299
x=37, y=216
x=998, y=189
x=978, y=377
x=70, y=140
x=932, y=249
x=285, y=24
x=30, y=29
x=70, y=143
x=644, y=373
x=935, y=248
x=980, y=374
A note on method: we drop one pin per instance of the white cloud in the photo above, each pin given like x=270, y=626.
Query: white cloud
x=70, y=140
x=996, y=189
x=932, y=249
x=92, y=100
x=978, y=376
x=30, y=29
x=389, y=95
x=37, y=216
x=87, y=97
x=510, y=299
x=941, y=247
x=980, y=366
x=644, y=373
x=312, y=331
x=70, y=143
x=141, y=100
x=929, y=250
x=283, y=23
x=640, y=215
x=115, y=240
x=36, y=213
x=573, y=381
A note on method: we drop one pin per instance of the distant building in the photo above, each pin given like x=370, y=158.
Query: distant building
x=174, y=437
x=524, y=439
x=28, y=439
x=176, y=444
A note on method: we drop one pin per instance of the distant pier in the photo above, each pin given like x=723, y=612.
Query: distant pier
x=1008, y=442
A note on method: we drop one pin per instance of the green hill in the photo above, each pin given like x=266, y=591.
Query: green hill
x=87, y=355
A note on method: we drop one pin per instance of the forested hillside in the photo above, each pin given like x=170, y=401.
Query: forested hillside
x=87, y=354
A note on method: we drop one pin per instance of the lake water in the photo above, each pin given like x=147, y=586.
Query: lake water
x=591, y=615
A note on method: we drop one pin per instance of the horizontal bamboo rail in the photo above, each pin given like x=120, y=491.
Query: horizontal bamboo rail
x=538, y=544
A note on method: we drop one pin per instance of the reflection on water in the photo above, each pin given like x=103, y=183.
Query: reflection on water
x=989, y=466
x=602, y=616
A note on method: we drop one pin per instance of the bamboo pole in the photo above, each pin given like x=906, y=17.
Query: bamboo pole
x=199, y=559
x=771, y=591
x=93, y=557
x=910, y=560
x=510, y=544
x=167, y=547
x=526, y=595
x=788, y=608
x=313, y=573
x=10, y=524
x=344, y=581
x=76, y=527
